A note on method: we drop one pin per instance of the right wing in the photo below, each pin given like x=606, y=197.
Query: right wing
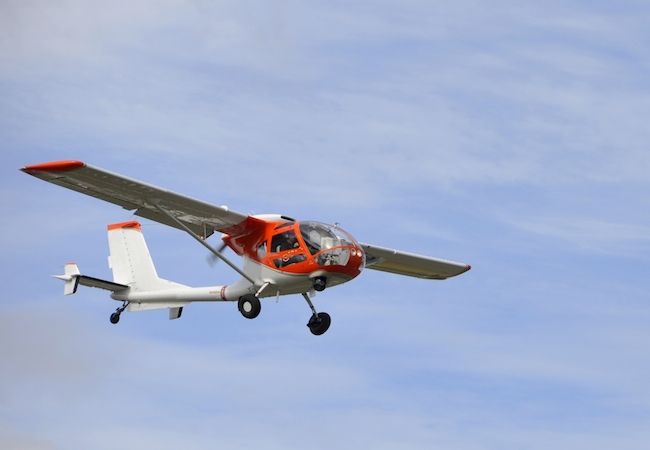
x=202, y=218
x=410, y=264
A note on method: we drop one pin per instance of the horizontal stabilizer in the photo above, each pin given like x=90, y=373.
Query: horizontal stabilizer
x=101, y=284
x=73, y=278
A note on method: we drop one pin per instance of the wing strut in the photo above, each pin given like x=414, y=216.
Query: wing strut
x=202, y=242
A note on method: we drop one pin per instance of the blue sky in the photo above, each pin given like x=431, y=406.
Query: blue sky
x=509, y=135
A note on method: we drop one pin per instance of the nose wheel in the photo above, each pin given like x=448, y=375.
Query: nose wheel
x=319, y=322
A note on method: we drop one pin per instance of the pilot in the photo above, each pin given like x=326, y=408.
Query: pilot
x=288, y=242
x=292, y=242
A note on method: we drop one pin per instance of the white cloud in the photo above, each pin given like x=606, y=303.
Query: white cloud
x=437, y=117
x=124, y=389
x=394, y=117
x=591, y=234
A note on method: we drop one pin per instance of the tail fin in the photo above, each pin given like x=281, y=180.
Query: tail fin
x=129, y=258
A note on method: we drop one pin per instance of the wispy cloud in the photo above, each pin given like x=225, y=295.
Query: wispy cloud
x=591, y=234
x=283, y=387
x=511, y=135
x=550, y=110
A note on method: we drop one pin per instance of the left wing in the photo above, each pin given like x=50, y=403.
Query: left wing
x=410, y=264
x=202, y=218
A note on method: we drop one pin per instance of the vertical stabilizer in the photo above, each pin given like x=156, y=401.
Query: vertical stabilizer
x=129, y=258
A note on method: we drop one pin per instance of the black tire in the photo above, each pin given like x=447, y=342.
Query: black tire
x=115, y=317
x=319, y=324
x=320, y=283
x=249, y=306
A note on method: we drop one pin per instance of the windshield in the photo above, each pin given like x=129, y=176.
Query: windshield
x=319, y=236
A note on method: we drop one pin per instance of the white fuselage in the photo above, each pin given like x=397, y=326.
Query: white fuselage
x=268, y=282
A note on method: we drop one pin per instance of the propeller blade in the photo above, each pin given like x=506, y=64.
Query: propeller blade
x=212, y=258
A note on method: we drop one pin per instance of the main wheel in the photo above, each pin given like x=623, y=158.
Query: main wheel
x=115, y=317
x=249, y=306
x=319, y=324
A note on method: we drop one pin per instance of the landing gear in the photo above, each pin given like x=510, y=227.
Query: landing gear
x=320, y=283
x=249, y=306
x=115, y=317
x=319, y=322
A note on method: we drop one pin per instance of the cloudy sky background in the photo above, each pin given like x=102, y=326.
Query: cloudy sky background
x=511, y=135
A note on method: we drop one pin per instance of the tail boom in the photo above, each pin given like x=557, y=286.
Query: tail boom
x=136, y=282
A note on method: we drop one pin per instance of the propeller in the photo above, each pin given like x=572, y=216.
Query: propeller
x=212, y=258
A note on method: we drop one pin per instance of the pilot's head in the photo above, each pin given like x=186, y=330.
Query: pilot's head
x=291, y=239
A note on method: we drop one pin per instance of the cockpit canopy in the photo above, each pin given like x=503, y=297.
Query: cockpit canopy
x=319, y=236
x=328, y=245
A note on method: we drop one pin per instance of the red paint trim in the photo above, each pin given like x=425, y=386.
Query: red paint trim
x=129, y=224
x=55, y=166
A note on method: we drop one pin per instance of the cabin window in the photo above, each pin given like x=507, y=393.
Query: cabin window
x=261, y=250
x=284, y=241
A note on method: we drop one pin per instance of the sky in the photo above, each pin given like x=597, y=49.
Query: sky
x=509, y=135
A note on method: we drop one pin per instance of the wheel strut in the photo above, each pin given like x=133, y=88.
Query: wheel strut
x=311, y=305
x=319, y=322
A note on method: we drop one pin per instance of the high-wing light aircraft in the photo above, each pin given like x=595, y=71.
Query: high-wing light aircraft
x=280, y=255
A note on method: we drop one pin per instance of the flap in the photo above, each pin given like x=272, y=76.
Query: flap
x=411, y=264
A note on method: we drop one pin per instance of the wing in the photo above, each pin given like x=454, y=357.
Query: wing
x=410, y=264
x=202, y=218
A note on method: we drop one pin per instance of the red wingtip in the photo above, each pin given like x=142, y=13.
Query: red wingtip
x=55, y=166
x=129, y=224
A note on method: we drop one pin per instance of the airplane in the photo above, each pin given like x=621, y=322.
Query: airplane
x=281, y=255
